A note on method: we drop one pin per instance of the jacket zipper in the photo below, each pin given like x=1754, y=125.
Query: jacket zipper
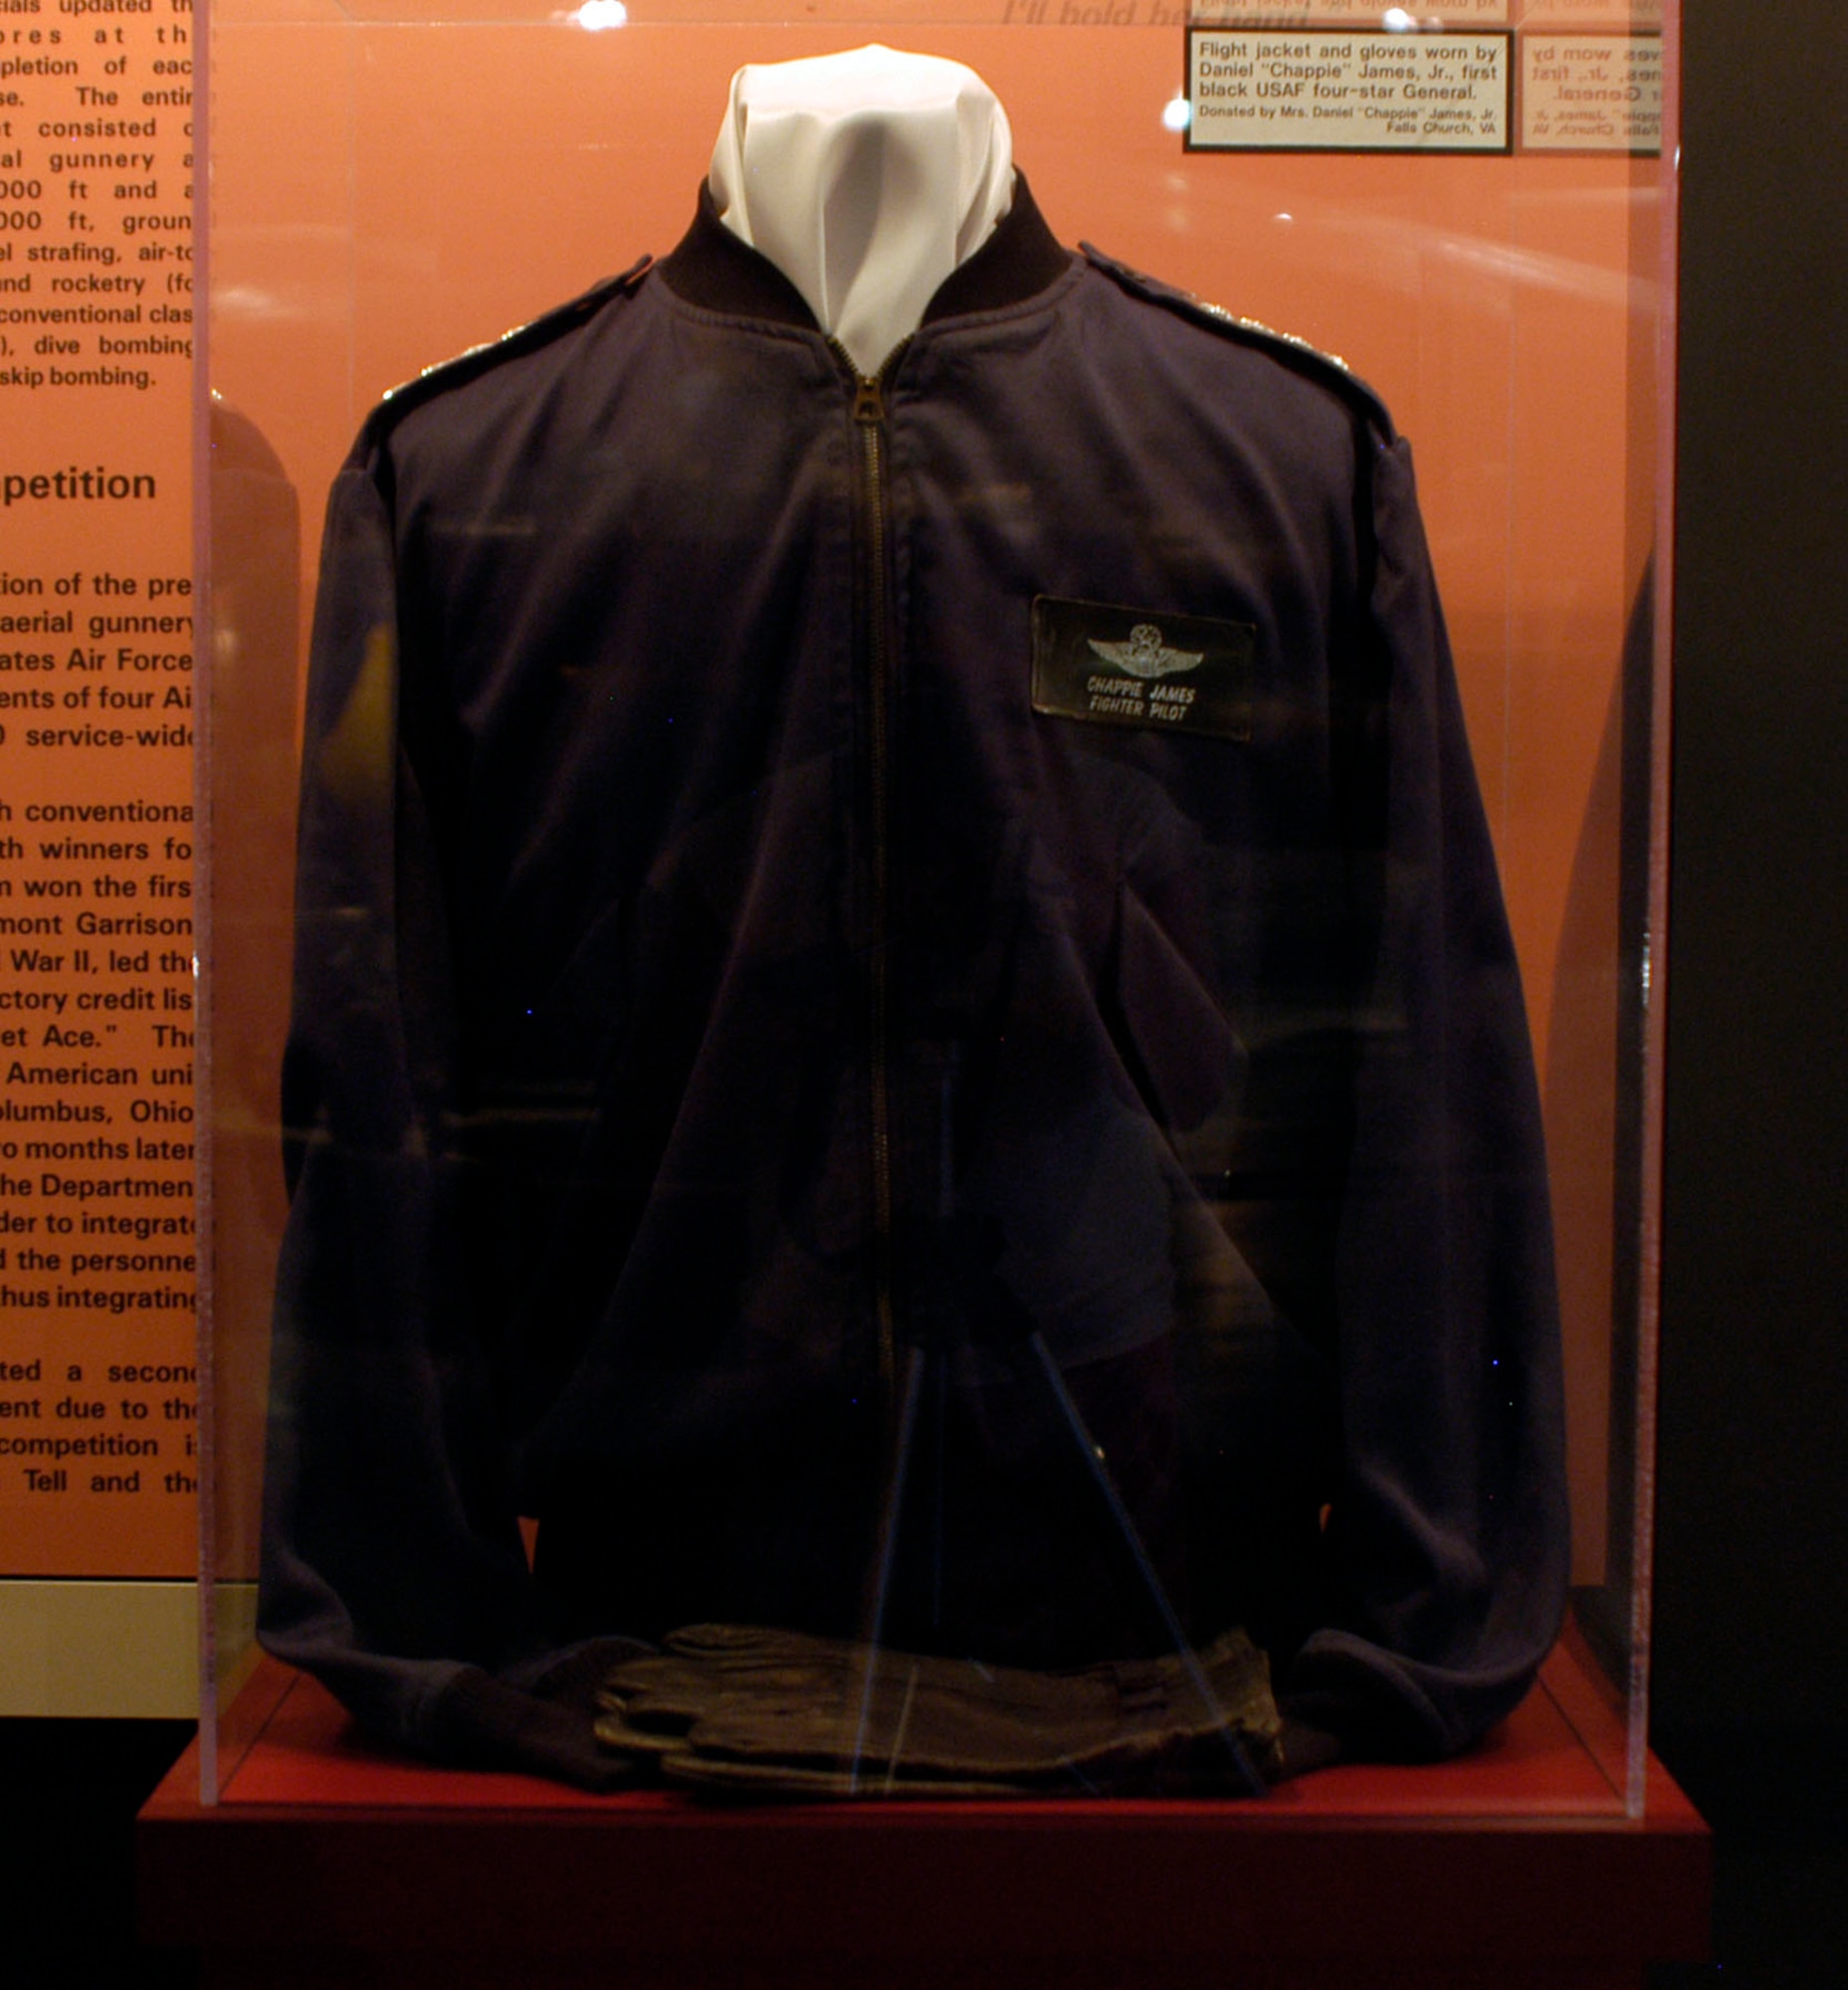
x=869, y=417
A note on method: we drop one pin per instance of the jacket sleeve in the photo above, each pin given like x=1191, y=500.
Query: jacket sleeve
x=1447, y=1530
x=392, y=1564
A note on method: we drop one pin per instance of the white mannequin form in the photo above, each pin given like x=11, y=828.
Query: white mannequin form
x=866, y=177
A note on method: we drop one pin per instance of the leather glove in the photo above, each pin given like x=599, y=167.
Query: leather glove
x=751, y=1712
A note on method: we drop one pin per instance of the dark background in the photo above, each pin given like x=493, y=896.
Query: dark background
x=1752, y=1611
x=1751, y=1592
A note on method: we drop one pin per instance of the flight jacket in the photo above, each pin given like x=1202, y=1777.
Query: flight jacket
x=863, y=943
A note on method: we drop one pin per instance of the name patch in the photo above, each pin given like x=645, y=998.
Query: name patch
x=1138, y=667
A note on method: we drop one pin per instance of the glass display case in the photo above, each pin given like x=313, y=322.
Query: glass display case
x=964, y=1113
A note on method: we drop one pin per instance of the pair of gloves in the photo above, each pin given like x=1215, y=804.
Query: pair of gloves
x=739, y=1711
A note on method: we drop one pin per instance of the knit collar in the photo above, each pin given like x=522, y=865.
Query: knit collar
x=713, y=270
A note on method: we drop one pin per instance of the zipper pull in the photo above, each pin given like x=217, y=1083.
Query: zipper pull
x=869, y=400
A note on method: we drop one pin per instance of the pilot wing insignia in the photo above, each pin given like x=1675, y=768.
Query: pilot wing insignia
x=1144, y=655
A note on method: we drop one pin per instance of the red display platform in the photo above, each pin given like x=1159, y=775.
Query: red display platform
x=329, y=1862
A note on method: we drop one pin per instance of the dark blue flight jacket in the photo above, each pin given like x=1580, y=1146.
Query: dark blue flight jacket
x=821, y=899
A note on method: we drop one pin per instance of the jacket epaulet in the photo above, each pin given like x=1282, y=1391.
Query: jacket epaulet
x=1328, y=368
x=530, y=337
